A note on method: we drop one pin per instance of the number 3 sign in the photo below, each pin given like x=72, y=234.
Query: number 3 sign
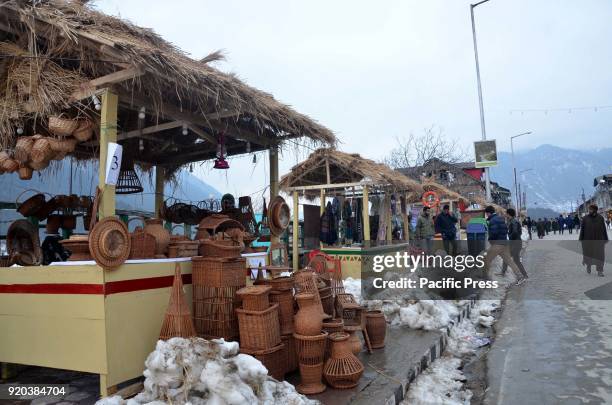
x=113, y=163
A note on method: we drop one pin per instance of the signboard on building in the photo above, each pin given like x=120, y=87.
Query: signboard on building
x=485, y=153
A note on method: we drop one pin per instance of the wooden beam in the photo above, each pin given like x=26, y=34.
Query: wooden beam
x=366, y=215
x=203, y=135
x=296, y=226
x=150, y=130
x=108, y=133
x=160, y=178
x=88, y=88
x=325, y=186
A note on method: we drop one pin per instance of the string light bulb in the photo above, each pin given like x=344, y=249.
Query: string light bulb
x=97, y=103
x=141, y=145
x=142, y=113
x=185, y=129
x=20, y=129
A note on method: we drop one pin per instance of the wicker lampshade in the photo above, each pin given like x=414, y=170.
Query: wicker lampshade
x=128, y=181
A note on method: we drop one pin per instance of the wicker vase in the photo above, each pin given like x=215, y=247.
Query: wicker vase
x=308, y=320
x=305, y=281
x=355, y=342
x=155, y=227
x=310, y=352
x=342, y=370
x=376, y=325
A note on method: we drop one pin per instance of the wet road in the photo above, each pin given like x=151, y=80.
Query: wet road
x=554, y=343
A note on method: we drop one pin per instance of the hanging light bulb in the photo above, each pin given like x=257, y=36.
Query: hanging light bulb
x=248, y=147
x=185, y=129
x=96, y=101
x=254, y=159
x=19, y=129
x=141, y=144
x=141, y=113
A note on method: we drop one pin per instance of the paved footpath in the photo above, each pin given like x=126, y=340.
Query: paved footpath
x=554, y=343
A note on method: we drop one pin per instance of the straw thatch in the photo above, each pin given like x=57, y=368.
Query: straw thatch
x=72, y=43
x=346, y=168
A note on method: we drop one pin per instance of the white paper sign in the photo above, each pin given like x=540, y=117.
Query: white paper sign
x=113, y=163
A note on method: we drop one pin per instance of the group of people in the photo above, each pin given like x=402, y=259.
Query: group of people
x=505, y=236
x=543, y=226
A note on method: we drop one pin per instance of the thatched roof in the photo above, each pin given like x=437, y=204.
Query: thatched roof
x=72, y=42
x=345, y=168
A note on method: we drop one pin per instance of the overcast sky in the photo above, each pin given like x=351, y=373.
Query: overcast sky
x=375, y=71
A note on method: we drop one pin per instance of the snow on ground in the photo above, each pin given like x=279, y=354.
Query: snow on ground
x=197, y=371
x=441, y=384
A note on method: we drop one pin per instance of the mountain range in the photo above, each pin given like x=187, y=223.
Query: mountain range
x=559, y=176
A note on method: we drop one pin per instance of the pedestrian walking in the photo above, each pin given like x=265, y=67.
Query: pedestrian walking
x=498, y=238
x=529, y=224
x=593, y=236
x=445, y=225
x=516, y=243
x=561, y=222
x=555, y=227
x=425, y=232
x=569, y=224
x=541, y=228
x=576, y=221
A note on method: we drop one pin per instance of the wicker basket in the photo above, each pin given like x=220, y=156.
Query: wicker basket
x=84, y=130
x=183, y=248
x=255, y=297
x=327, y=300
x=23, y=148
x=273, y=359
x=25, y=172
x=62, y=126
x=41, y=151
x=214, y=312
x=39, y=166
x=290, y=354
x=79, y=248
x=259, y=329
x=143, y=245
x=219, y=272
x=62, y=145
x=310, y=349
x=286, y=309
x=220, y=248
x=10, y=165
x=284, y=283
x=342, y=370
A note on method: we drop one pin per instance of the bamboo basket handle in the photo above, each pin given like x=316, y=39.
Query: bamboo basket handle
x=25, y=191
x=94, y=209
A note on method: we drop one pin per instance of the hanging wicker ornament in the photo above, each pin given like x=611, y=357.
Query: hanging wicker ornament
x=177, y=320
x=128, y=181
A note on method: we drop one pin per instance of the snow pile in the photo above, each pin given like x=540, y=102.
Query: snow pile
x=442, y=383
x=428, y=314
x=482, y=312
x=197, y=371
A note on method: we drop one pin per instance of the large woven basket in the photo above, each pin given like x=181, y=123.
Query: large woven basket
x=255, y=297
x=259, y=329
x=219, y=272
x=143, y=245
x=23, y=148
x=62, y=126
x=41, y=150
x=214, y=312
x=273, y=359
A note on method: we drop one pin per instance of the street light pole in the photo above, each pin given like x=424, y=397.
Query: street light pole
x=522, y=202
x=480, y=103
x=514, y=166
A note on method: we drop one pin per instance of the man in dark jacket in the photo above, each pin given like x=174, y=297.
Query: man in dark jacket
x=540, y=226
x=593, y=235
x=498, y=238
x=445, y=225
x=569, y=224
x=529, y=224
x=516, y=244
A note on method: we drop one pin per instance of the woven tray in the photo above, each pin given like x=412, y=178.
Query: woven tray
x=110, y=242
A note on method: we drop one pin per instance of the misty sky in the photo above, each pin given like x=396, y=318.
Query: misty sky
x=374, y=71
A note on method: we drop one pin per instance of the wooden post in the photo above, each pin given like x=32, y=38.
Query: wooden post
x=405, y=219
x=296, y=236
x=327, y=173
x=389, y=235
x=322, y=208
x=108, y=133
x=273, y=153
x=160, y=178
x=366, y=215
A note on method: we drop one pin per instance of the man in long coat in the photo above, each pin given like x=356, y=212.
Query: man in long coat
x=593, y=235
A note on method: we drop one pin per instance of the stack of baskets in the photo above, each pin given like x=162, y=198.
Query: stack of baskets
x=215, y=282
x=260, y=329
x=282, y=294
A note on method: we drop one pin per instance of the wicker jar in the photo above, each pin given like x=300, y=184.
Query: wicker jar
x=355, y=342
x=154, y=226
x=308, y=320
x=376, y=326
x=342, y=370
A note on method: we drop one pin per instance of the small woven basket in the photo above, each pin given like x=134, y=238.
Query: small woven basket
x=62, y=126
x=259, y=329
x=84, y=130
x=255, y=297
x=23, y=148
x=10, y=165
x=273, y=359
x=62, y=145
x=41, y=150
x=284, y=283
x=143, y=245
x=25, y=172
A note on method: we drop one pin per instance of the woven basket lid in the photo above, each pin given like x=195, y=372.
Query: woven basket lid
x=254, y=290
x=110, y=242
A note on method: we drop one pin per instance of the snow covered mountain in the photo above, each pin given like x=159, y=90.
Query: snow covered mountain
x=558, y=177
